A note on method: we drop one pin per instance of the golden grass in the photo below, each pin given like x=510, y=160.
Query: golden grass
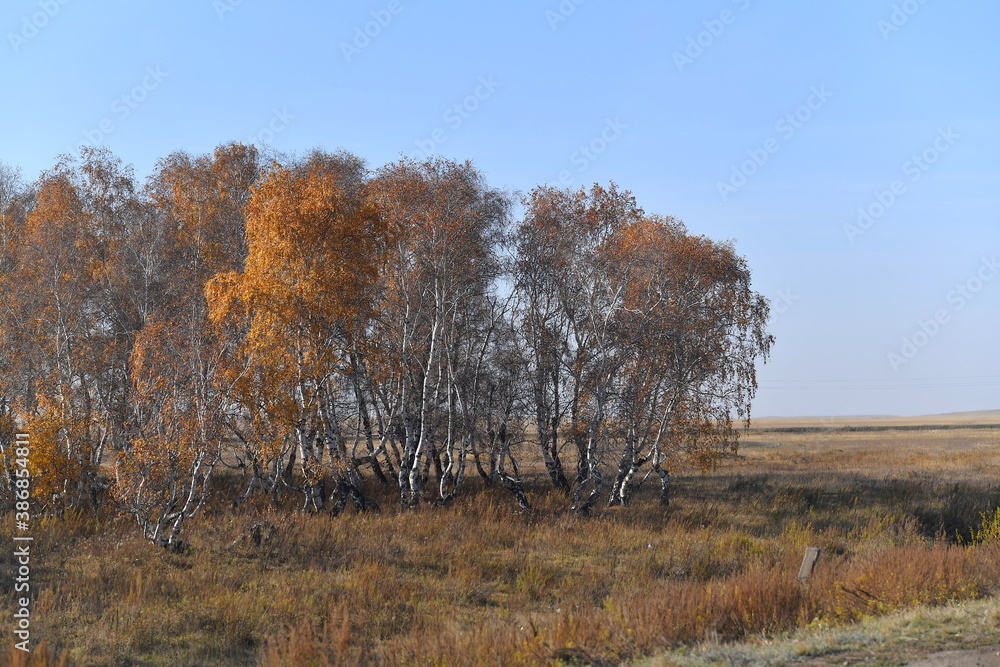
x=893, y=639
x=479, y=582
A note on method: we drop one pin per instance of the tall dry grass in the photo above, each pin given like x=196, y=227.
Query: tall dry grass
x=479, y=582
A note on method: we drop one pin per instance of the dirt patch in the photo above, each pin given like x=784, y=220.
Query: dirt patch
x=988, y=656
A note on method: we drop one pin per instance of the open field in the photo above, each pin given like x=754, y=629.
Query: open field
x=966, y=634
x=903, y=518
x=974, y=418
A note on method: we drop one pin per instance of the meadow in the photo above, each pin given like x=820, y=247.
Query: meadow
x=904, y=516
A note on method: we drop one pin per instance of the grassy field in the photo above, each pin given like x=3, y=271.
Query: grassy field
x=905, y=518
x=967, y=629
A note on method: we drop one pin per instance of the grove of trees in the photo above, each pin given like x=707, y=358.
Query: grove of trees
x=320, y=328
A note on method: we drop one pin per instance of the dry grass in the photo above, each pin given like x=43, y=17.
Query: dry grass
x=893, y=639
x=479, y=582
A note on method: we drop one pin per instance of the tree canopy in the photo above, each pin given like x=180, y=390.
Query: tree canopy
x=319, y=327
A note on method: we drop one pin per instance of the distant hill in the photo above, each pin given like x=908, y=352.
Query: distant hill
x=989, y=415
x=950, y=418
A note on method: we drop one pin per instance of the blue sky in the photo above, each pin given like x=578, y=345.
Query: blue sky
x=775, y=124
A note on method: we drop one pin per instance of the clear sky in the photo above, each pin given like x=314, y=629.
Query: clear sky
x=776, y=124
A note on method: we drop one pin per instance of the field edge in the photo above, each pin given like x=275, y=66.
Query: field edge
x=894, y=639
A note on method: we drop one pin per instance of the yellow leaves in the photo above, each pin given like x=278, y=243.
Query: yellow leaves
x=60, y=455
x=150, y=477
x=314, y=239
x=312, y=245
x=224, y=300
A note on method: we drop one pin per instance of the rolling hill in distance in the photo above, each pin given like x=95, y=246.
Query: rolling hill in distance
x=945, y=419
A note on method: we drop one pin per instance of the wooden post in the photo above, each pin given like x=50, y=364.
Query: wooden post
x=808, y=563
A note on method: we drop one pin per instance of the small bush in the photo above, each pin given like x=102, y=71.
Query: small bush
x=988, y=531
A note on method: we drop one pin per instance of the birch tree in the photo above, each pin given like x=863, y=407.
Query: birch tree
x=200, y=203
x=640, y=339
x=564, y=313
x=690, y=331
x=16, y=377
x=76, y=321
x=436, y=316
x=179, y=397
x=313, y=246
